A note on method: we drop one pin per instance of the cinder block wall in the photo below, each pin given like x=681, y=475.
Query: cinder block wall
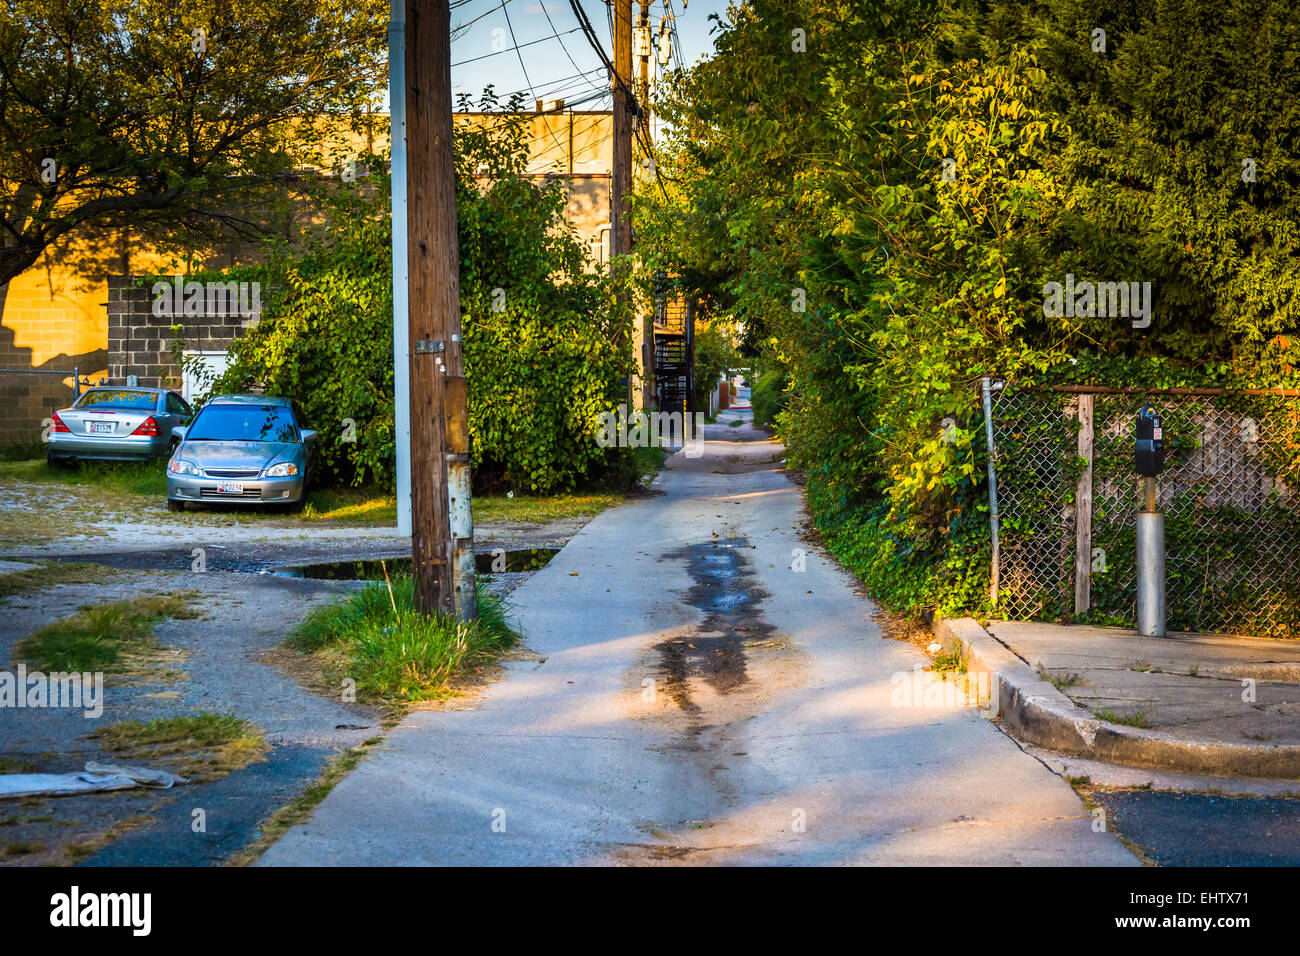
x=141, y=343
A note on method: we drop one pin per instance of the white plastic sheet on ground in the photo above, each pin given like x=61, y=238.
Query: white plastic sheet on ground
x=96, y=777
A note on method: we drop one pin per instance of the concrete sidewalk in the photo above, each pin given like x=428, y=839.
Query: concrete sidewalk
x=708, y=688
x=1195, y=703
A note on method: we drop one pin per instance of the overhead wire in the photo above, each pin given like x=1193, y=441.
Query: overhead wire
x=513, y=49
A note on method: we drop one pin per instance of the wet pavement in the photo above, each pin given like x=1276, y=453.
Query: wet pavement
x=725, y=589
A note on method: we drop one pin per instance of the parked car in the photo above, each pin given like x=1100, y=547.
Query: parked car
x=250, y=449
x=107, y=422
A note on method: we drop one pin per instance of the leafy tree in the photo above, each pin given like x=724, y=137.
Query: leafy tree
x=182, y=120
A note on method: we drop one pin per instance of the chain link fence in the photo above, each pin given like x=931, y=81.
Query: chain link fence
x=1068, y=495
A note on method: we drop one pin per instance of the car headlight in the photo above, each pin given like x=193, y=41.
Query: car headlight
x=179, y=466
x=286, y=469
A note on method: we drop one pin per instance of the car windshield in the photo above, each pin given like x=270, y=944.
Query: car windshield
x=244, y=423
x=106, y=398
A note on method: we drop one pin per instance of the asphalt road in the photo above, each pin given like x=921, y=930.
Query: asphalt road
x=1194, y=829
x=707, y=688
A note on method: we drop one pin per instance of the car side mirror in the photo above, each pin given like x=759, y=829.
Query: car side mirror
x=178, y=431
x=308, y=434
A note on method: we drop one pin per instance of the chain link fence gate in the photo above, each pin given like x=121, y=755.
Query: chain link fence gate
x=1068, y=496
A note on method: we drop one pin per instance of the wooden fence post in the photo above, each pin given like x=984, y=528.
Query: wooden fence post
x=1083, y=511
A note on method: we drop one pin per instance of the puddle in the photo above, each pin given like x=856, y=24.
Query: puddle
x=499, y=561
x=726, y=590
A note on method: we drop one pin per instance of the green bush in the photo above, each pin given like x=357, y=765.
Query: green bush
x=714, y=354
x=539, y=329
x=768, y=396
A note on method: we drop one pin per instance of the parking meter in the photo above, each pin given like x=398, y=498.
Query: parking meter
x=1149, y=450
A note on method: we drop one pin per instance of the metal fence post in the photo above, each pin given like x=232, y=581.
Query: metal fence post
x=986, y=389
x=1083, y=511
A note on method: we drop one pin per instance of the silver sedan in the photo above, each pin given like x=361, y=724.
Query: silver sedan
x=248, y=449
x=116, y=424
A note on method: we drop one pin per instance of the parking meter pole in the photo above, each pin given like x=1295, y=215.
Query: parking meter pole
x=1151, y=574
x=1149, y=461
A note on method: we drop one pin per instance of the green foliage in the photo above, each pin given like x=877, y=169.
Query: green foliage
x=714, y=354
x=882, y=210
x=768, y=396
x=539, y=330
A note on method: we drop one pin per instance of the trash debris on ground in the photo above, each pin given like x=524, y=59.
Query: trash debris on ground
x=96, y=777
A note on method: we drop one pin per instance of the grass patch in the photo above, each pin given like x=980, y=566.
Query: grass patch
x=22, y=848
x=498, y=509
x=51, y=573
x=351, y=506
x=368, y=507
x=77, y=852
x=209, y=745
x=130, y=486
x=1137, y=717
x=403, y=657
x=145, y=478
x=106, y=637
x=736, y=424
x=951, y=661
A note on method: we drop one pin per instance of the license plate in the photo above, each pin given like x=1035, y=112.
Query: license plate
x=100, y=428
x=230, y=487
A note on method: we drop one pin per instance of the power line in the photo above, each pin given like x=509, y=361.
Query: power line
x=590, y=33
x=527, y=79
x=463, y=26
x=516, y=48
x=547, y=14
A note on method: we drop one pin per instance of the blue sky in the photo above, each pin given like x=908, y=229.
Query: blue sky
x=552, y=65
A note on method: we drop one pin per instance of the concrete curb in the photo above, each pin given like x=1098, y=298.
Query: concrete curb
x=1038, y=713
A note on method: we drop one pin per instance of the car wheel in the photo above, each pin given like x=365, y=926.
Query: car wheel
x=174, y=505
x=295, y=508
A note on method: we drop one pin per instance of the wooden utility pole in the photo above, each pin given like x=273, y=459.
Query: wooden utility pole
x=438, y=392
x=620, y=185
